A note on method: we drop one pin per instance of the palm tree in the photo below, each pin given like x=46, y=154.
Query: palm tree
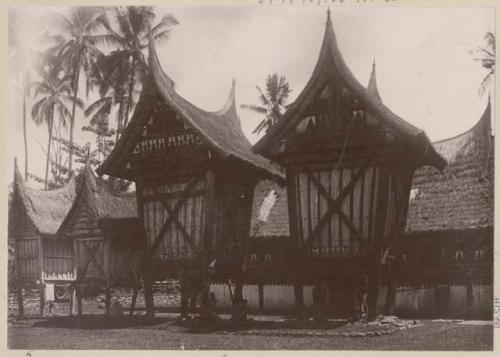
x=78, y=52
x=272, y=102
x=486, y=55
x=111, y=76
x=18, y=55
x=54, y=94
x=126, y=67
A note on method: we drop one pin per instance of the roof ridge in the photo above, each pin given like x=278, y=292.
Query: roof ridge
x=413, y=135
x=173, y=94
x=485, y=116
x=163, y=81
x=17, y=174
x=372, y=87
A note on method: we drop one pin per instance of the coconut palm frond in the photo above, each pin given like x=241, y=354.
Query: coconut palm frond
x=263, y=97
x=273, y=101
x=262, y=126
x=97, y=105
x=255, y=108
x=486, y=55
x=490, y=41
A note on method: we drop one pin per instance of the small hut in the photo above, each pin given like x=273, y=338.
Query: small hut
x=42, y=259
x=103, y=230
x=445, y=262
x=349, y=162
x=195, y=175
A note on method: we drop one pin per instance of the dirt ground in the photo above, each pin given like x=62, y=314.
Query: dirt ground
x=262, y=333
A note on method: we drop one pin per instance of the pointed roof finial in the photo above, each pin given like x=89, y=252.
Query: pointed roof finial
x=328, y=16
x=17, y=174
x=372, y=83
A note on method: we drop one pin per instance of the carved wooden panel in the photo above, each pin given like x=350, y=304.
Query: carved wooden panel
x=190, y=217
x=335, y=231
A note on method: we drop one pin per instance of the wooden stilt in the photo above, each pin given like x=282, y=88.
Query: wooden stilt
x=134, y=299
x=468, y=300
x=184, y=300
x=373, y=292
x=107, y=301
x=238, y=308
x=192, y=304
x=299, y=298
x=72, y=300
x=148, y=290
x=20, y=302
x=42, y=299
x=261, y=296
x=390, y=300
x=79, y=299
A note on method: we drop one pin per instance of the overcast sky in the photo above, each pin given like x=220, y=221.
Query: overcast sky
x=425, y=72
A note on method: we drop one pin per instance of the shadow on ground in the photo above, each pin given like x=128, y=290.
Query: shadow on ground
x=225, y=325
x=194, y=325
x=92, y=322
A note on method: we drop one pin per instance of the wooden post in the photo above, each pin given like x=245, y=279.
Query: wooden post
x=20, y=303
x=373, y=272
x=42, y=299
x=134, y=299
x=208, y=237
x=184, y=297
x=72, y=300
x=107, y=300
x=148, y=288
x=147, y=262
x=41, y=274
x=390, y=299
x=76, y=277
x=79, y=298
x=261, y=296
x=294, y=218
x=469, y=299
x=108, y=273
x=299, y=298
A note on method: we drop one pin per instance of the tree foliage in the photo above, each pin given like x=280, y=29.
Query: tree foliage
x=273, y=102
x=486, y=55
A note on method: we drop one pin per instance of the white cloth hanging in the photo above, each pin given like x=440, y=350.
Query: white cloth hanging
x=49, y=292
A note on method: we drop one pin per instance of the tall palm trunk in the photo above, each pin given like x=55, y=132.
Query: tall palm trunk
x=76, y=71
x=51, y=122
x=25, y=133
x=119, y=120
x=130, y=91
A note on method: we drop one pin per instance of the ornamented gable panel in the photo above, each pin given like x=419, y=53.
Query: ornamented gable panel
x=166, y=138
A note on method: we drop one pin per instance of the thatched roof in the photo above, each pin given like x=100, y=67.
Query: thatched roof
x=330, y=59
x=269, y=211
x=220, y=130
x=461, y=196
x=45, y=208
x=100, y=200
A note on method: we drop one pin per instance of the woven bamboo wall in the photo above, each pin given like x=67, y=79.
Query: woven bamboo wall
x=57, y=259
x=359, y=204
x=28, y=267
x=190, y=216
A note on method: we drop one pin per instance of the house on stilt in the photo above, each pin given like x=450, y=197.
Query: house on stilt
x=42, y=260
x=445, y=261
x=103, y=230
x=442, y=266
x=349, y=164
x=195, y=175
